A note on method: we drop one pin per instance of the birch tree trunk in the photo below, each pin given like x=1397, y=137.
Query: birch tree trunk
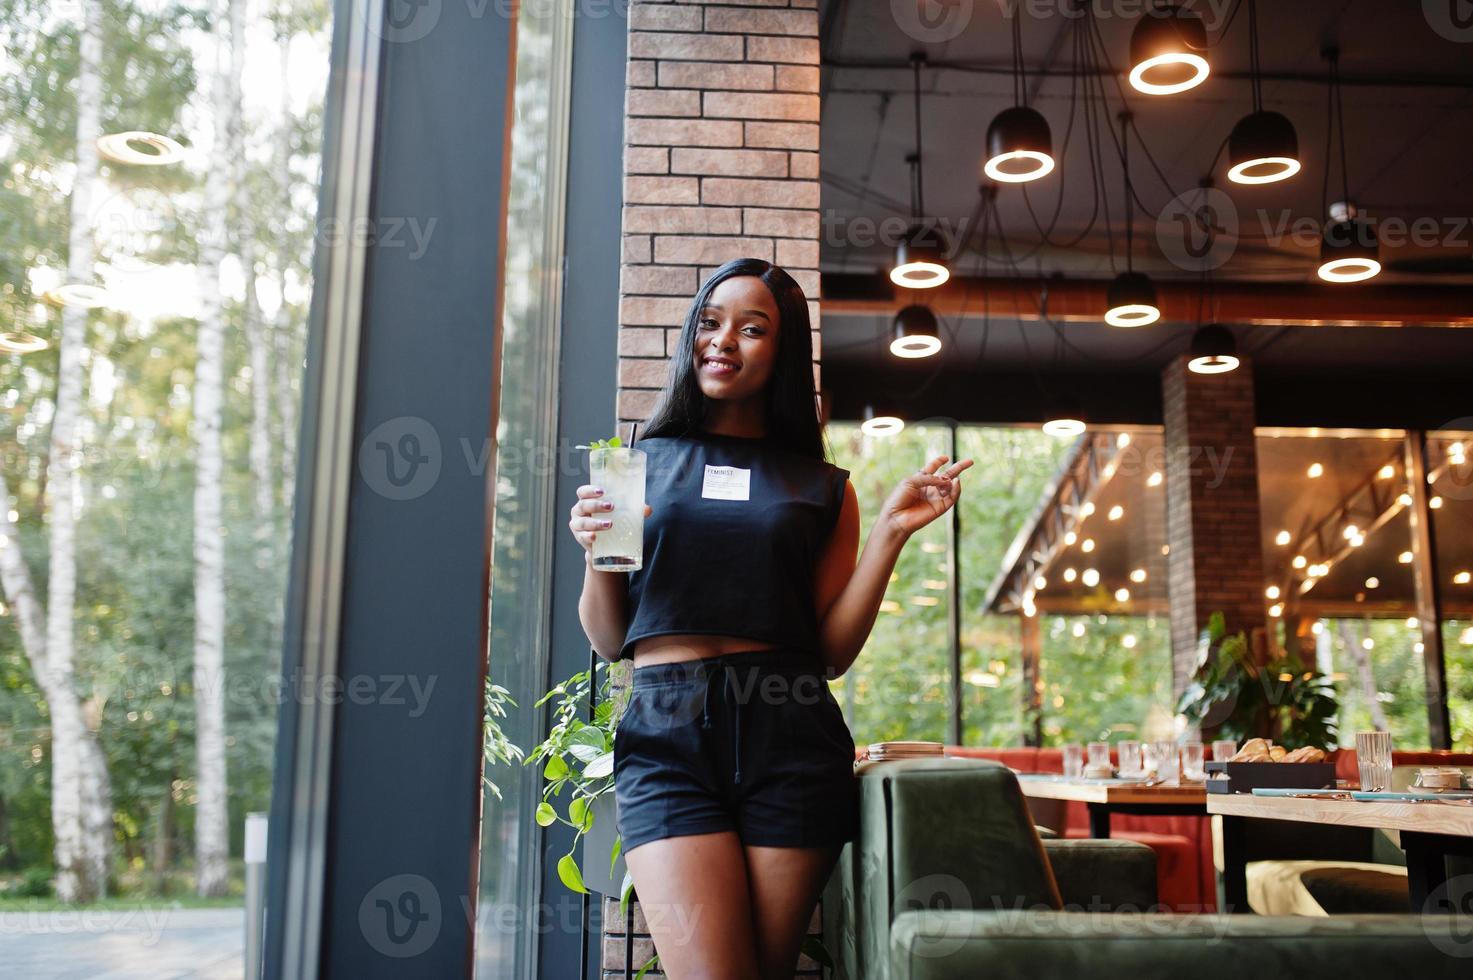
x=257, y=350
x=1362, y=658
x=286, y=369
x=212, y=813
x=81, y=804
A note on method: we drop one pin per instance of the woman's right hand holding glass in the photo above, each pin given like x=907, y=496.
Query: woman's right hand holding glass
x=591, y=514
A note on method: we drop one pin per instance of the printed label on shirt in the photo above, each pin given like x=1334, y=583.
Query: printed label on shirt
x=727, y=483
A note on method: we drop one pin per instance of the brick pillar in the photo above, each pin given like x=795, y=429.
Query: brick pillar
x=720, y=162
x=1215, y=562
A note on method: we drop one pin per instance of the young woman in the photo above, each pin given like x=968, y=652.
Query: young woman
x=733, y=765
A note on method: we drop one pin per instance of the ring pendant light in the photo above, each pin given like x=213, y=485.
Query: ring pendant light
x=1348, y=248
x=1019, y=143
x=1166, y=51
x=915, y=333
x=1263, y=147
x=920, y=257
x=1213, y=351
x=1132, y=297
x=880, y=420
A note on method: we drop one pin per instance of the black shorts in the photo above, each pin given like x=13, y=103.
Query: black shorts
x=752, y=742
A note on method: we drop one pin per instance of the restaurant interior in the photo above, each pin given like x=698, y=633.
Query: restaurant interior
x=1182, y=409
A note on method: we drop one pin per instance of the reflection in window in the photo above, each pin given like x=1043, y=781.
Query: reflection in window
x=1001, y=493
x=521, y=560
x=1340, y=586
x=1450, y=464
x=899, y=686
x=154, y=290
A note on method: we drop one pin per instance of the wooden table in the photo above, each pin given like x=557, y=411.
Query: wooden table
x=1106, y=796
x=1429, y=833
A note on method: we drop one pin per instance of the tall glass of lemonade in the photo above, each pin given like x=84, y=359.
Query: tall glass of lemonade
x=620, y=472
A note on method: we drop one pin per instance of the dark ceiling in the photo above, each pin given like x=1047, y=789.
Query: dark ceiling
x=1408, y=104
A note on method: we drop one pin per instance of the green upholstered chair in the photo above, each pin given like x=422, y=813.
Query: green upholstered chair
x=949, y=879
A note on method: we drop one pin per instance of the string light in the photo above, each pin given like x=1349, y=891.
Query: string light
x=1405, y=557
x=1272, y=592
x=1090, y=578
x=1088, y=545
x=1316, y=470
x=1116, y=513
x=1138, y=575
x=1282, y=538
x=1122, y=594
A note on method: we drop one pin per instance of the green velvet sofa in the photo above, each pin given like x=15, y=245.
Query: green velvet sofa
x=950, y=879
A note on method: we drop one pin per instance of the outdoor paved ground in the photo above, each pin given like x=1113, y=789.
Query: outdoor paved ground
x=157, y=943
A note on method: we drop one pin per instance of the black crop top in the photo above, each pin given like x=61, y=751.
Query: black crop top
x=736, y=529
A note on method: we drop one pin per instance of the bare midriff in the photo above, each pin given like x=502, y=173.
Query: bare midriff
x=675, y=647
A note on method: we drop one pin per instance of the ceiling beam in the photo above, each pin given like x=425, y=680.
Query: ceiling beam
x=1083, y=300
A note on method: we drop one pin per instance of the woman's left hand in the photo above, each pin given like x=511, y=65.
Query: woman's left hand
x=924, y=496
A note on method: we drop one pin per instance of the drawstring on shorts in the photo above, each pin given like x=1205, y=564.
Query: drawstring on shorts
x=726, y=674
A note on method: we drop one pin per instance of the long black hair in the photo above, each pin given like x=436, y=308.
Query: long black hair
x=792, y=407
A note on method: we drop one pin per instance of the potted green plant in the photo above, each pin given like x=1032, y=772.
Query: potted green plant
x=1239, y=698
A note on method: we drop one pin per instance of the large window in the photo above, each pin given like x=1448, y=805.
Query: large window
x=159, y=195
x=506, y=943
x=1448, y=465
x=899, y=687
x=1340, y=575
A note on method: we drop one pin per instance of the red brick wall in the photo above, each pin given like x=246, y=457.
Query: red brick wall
x=1212, y=514
x=720, y=162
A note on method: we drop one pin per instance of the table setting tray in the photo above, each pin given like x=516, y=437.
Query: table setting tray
x=1244, y=777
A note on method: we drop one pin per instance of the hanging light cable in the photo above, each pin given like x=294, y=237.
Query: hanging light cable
x=1019, y=143
x=1263, y=147
x=1348, y=249
x=1132, y=296
x=920, y=256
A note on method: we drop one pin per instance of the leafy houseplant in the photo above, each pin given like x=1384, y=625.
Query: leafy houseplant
x=1284, y=699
